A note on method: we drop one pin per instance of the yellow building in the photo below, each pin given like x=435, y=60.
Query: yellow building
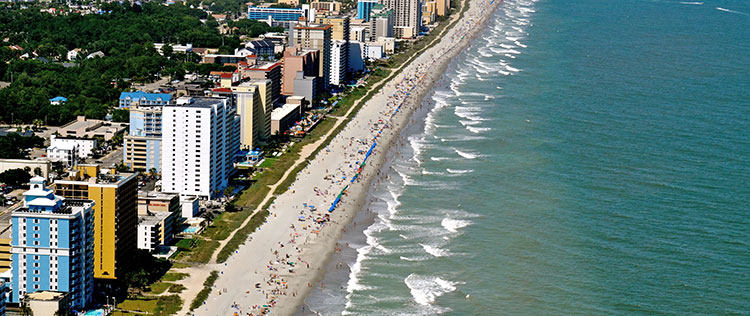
x=5, y=241
x=429, y=11
x=254, y=106
x=443, y=7
x=326, y=7
x=115, y=215
x=340, y=26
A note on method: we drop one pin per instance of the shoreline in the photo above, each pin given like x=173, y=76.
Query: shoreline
x=358, y=205
x=255, y=278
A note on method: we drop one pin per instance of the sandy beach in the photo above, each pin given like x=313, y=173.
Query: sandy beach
x=281, y=262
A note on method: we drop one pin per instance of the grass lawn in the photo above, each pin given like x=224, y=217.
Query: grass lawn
x=159, y=287
x=174, y=276
x=267, y=162
x=137, y=305
x=163, y=305
x=176, y=288
x=180, y=265
x=200, y=250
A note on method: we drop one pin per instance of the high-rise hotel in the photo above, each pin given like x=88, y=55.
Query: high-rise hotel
x=200, y=140
x=53, y=246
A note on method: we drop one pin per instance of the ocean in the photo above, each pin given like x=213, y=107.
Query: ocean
x=583, y=157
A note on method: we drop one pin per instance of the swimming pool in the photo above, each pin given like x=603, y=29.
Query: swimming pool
x=96, y=312
x=190, y=230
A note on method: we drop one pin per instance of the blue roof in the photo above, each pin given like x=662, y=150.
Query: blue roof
x=148, y=96
x=58, y=99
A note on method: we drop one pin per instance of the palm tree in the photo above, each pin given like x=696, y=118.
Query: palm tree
x=25, y=309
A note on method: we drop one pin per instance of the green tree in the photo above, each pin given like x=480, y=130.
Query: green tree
x=121, y=115
x=15, y=177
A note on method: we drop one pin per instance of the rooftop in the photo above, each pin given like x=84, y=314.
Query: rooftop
x=83, y=124
x=69, y=206
x=58, y=99
x=314, y=27
x=266, y=66
x=46, y=296
x=201, y=102
x=152, y=219
x=102, y=178
x=279, y=113
x=155, y=195
x=144, y=95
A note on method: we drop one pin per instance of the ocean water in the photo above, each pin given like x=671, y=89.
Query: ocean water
x=585, y=157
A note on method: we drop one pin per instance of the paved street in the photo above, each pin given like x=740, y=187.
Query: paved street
x=111, y=159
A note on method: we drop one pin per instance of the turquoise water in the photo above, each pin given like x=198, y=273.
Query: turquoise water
x=95, y=312
x=580, y=158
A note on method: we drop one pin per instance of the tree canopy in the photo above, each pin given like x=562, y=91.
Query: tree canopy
x=12, y=145
x=124, y=33
x=15, y=177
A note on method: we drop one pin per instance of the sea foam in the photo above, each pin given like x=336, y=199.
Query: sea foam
x=452, y=225
x=425, y=289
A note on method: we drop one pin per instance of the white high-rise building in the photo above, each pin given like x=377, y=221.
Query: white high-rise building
x=200, y=137
x=339, y=62
x=408, y=17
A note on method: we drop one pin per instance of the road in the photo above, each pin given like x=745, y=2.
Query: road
x=150, y=87
x=111, y=159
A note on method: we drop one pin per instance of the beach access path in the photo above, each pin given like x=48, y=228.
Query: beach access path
x=280, y=261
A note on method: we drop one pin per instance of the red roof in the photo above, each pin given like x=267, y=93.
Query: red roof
x=226, y=76
x=222, y=90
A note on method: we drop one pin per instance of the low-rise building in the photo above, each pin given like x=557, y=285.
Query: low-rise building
x=285, y=117
x=263, y=48
x=189, y=206
x=157, y=212
x=40, y=167
x=389, y=44
x=154, y=230
x=86, y=146
x=48, y=303
x=222, y=59
x=66, y=153
x=86, y=128
x=373, y=51
x=175, y=48
x=58, y=100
